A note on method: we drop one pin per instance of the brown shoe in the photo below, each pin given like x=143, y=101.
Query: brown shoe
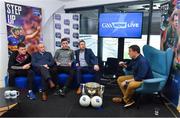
x=51, y=84
x=117, y=100
x=44, y=96
x=78, y=91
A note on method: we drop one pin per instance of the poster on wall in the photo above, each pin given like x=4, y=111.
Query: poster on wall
x=23, y=25
x=170, y=34
x=66, y=25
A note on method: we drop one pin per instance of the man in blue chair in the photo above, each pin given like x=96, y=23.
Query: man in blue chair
x=141, y=70
x=63, y=58
x=20, y=65
x=86, y=61
x=42, y=62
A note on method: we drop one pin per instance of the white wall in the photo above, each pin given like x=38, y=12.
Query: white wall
x=48, y=8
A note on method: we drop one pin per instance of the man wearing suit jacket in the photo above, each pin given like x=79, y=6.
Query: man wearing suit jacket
x=86, y=61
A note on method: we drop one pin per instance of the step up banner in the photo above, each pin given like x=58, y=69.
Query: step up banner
x=23, y=25
x=170, y=34
x=66, y=25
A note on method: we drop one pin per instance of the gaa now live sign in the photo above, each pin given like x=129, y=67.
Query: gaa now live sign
x=125, y=25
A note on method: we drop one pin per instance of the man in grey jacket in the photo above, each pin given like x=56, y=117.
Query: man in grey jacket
x=63, y=58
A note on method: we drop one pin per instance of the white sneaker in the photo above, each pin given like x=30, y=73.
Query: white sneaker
x=129, y=104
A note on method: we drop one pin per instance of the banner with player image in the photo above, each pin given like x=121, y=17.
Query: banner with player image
x=170, y=34
x=66, y=25
x=23, y=25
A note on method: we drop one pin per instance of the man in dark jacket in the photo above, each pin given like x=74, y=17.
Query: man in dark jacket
x=42, y=61
x=86, y=61
x=20, y=65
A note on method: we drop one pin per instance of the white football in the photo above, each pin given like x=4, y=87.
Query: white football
x=96, y=101
x=85, y=100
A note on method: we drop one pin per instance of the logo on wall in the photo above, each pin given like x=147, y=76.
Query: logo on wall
x=66, y=25
x=76, y=17
x=66, y=31
x=66, y=21
x=76, y=35
x=23, y=25
x=76, y=26
x=58, y=26
x=58, y=43
x=58, y=35
x=57, y=17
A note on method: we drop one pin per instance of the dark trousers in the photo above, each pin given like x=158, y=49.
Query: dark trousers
x=83, y=70
x=21, y=72
x=63, y=69
x=45, y=74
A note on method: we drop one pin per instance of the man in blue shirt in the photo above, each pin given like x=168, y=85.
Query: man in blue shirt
x=42, y=62
x=141, y=71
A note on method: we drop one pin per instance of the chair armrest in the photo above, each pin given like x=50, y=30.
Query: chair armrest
x=154, y=80
x=151, y=85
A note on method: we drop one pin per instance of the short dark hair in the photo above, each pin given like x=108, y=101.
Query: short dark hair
x=135, y=48
x=15, y=29
x=175, y=14
x=81, y=41
x=21, y=45
x=64, y=39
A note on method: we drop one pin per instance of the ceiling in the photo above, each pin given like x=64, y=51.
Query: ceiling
x=135, y=6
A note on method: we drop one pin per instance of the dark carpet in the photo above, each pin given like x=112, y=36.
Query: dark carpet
x=68, y=106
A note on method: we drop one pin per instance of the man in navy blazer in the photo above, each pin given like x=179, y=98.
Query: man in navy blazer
x=86, y=61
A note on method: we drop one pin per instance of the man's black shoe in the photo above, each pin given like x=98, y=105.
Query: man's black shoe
x=57, y=92
x=62, y=92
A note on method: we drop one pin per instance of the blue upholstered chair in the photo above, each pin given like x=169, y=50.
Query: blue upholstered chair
x=21, y=82
x=62, y=78
x=38, y=83
x=160, y=62
x=88, y=77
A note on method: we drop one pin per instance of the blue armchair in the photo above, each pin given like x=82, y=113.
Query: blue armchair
x=160, y=62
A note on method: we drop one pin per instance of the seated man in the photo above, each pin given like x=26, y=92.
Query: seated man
x=86, y=61
x=42, y=61
x=20, y=65
x=141, y=71
x=63, y=58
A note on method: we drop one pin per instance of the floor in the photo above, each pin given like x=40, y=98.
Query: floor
x=68, y=106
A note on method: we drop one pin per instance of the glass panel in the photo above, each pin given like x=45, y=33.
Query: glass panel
x=155, y=27
x=110, y=48
x=89, y=21
x=89, y=28
x=128, y=42
x=155, y=41
x=91, y=41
